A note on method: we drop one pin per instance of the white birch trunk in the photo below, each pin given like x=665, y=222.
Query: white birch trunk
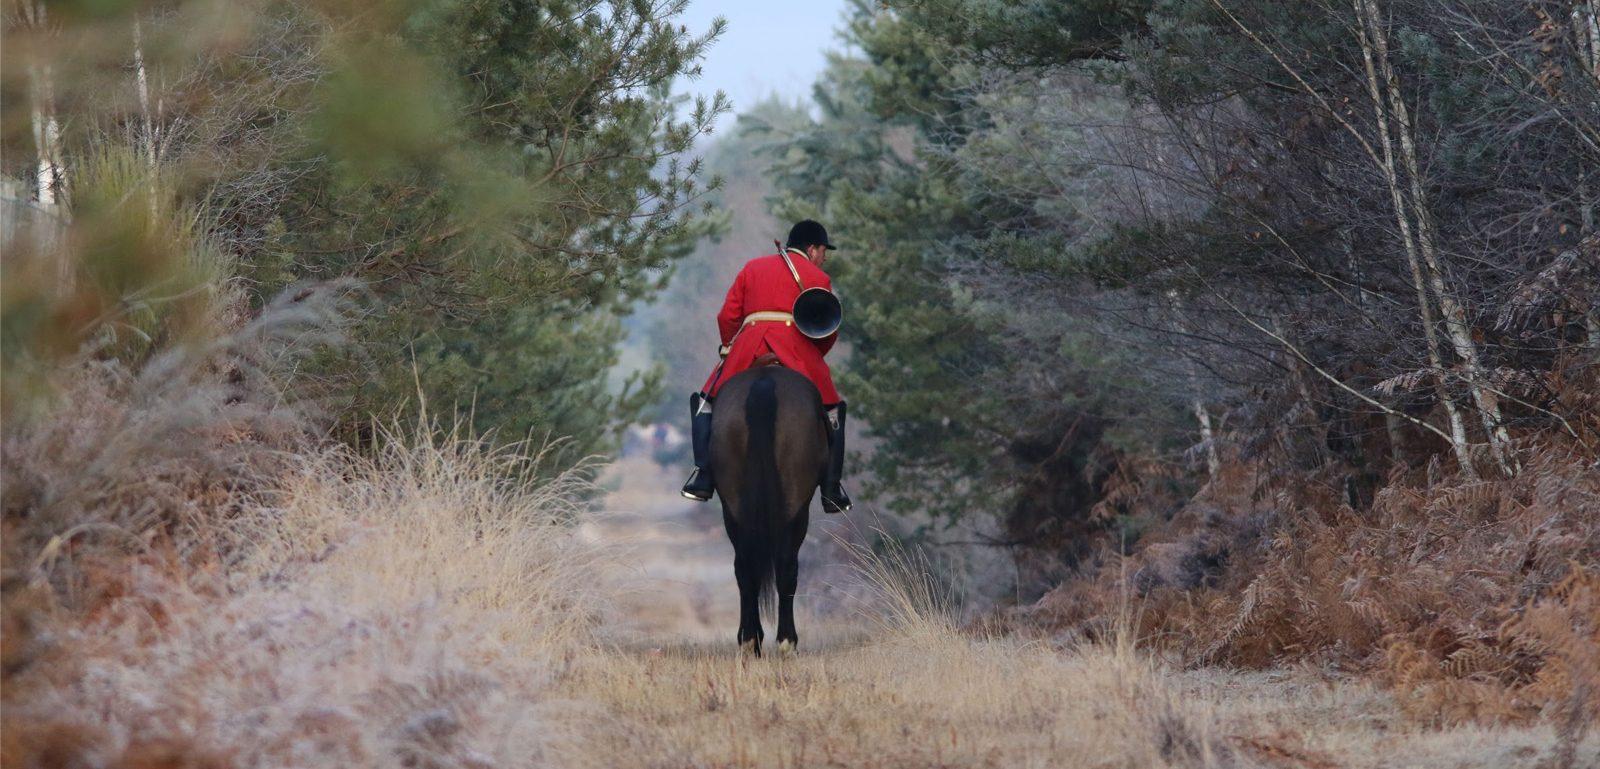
x=45, y=134
x=1586, y=27
x=50, y=180
x=1201, y=414
x=1458, y=429
x=1585, y=205
x=1454, y=315
x=142, y=85
x=1207, y=437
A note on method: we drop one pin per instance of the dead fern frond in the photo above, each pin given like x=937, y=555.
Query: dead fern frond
x=1569, y=283
x=1471, y=502
x=1410, y=381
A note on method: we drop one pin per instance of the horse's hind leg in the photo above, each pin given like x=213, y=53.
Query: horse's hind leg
x=747, y=569
x=787, y=566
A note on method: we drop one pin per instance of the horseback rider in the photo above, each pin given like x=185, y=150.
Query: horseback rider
x=758, y=329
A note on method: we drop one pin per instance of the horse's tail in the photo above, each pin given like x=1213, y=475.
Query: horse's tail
x=760, y=532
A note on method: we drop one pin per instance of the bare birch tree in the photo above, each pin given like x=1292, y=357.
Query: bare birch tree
x=1375, y=44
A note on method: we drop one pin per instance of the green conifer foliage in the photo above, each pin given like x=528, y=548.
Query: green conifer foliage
x=502, y=178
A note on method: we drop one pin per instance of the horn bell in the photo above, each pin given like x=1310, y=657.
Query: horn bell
x=817, y=313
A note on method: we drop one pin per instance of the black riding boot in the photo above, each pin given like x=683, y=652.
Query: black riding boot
x=700, y=486
x=834, y=498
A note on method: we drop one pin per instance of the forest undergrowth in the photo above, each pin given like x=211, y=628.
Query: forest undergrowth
x=1472, y=599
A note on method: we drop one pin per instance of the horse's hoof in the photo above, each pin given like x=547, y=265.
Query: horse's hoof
x=749, y=648
x=787, y=648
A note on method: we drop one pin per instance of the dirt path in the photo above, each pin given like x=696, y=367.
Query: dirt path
x=677, y=572
x=673, y=692
x=676, y=578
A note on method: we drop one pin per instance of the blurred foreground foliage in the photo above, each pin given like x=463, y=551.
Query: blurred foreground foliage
x=493, y=183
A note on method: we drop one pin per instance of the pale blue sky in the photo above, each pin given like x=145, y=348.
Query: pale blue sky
x=770, y=46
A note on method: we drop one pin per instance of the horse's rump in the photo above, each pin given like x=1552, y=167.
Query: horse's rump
x=794, y=422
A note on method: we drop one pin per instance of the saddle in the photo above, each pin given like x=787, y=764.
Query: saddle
x=766, y=359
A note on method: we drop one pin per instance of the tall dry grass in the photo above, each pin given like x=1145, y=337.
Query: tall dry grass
x=899, y=592
x=405, y=606
x=894, y=700
x=168, y=446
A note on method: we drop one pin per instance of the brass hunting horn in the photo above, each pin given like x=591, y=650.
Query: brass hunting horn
x=817, y=311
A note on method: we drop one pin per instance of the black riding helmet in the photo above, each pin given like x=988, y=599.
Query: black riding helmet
x=808, y=233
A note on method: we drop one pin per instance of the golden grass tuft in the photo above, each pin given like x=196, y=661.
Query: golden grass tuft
x=408, y=607
x=897, y=587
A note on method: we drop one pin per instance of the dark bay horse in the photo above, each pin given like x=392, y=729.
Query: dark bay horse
x=769, y=447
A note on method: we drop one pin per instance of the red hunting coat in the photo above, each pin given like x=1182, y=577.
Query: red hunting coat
x=765, y=284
